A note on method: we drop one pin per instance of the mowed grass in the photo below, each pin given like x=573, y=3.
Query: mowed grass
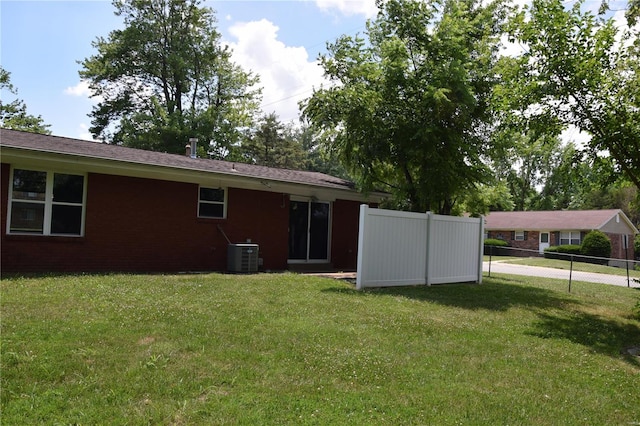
x=294, y=349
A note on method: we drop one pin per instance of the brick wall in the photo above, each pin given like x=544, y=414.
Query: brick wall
x=344, y=236
x=145, y=225
x=531, y=241
x=617, y=247
x=137, y=224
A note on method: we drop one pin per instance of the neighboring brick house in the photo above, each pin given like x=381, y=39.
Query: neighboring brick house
x=537, y=230
x=72, y=205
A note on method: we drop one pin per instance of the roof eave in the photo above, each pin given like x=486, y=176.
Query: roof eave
x=87, y=163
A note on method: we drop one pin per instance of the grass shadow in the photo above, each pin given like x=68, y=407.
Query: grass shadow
x=560, y=315
x=601, y=335
x=495, y=294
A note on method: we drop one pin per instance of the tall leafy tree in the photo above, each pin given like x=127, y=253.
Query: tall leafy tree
x=577, y=69
x=486, y=198
x=319, y=158
x=13, y=115
x=568, y=175
x=166, y=77
x=524, y=162
x=409, y=108
x=273, y=144
x=618, y=195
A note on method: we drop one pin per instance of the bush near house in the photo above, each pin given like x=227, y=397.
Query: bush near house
x=495, y=242
x=493, y=246
x=596, y=244
x=561, y=252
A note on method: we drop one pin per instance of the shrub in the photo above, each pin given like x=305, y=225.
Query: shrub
x=566, y=248
x=494, y=246
x=597, y=244
x=561, y=252
x=495, y=242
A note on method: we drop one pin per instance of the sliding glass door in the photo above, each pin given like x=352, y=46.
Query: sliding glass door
x=309, y=231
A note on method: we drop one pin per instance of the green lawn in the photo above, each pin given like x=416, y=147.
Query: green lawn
x=293, y=349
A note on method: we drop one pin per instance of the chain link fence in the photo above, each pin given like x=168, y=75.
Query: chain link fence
x=562, y=266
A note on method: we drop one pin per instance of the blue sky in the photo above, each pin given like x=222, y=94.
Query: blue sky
x=41, y=43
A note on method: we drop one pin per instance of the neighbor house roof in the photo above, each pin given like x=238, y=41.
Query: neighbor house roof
x=553, y=220
x=23, y=143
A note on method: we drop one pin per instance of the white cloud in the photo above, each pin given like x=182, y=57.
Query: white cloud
x=367, y=8
x=81, y=89
x=286, y=73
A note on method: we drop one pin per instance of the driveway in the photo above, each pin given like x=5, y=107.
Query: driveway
x=502, y=267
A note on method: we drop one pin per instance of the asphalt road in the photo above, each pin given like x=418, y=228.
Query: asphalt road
x=502, y=267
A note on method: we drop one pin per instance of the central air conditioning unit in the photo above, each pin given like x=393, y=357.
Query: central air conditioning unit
x=242, y=258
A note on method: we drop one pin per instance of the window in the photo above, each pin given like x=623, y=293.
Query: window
x=519, y=236
x=569, y=237
x=46, y=203
x=211, y=203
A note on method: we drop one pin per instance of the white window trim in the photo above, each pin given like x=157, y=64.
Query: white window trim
x=571, y=237
x=518, y=235
x=48, y=202
x=224, y=203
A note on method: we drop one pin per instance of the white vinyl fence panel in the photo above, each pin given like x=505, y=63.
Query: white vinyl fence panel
x=401, y=248
x=455, y=253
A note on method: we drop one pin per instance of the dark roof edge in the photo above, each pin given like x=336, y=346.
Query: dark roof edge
x=78, y=148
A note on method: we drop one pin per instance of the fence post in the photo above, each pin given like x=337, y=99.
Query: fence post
x=364, y=210
x=626, y=257
x=481, y=250
x=427, y=265
x=570, y=272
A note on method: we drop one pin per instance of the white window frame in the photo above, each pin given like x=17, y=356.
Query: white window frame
x=47, y=202
x=518, y=235
x=223, y=203
x=571, y=238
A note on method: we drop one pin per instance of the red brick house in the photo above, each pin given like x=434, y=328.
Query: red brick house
x=72, y=205
x=537, y=230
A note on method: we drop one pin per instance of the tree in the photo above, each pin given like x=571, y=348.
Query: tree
x=409, y=110
x=486, y=198
x=618, y=195
x=568, y=176
x=273, y=145
x=523, y=162
x=576, y=70
x=13, y=115
x=165, y=78
x=319, y=158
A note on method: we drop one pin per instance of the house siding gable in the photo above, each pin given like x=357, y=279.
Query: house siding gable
x=616, y=227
